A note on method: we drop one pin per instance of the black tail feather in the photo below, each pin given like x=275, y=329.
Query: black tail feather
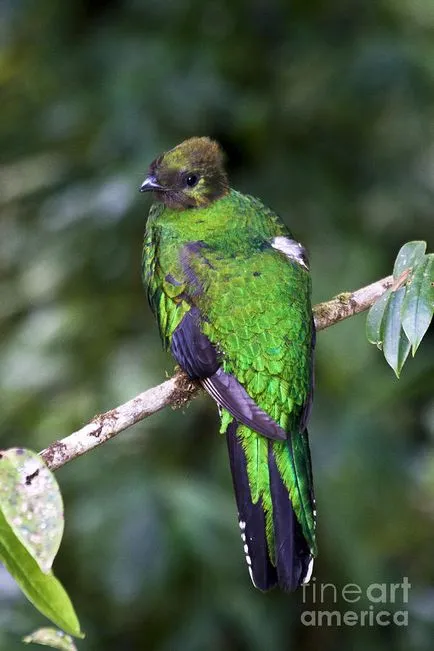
x=293, y=556
x=250, y=516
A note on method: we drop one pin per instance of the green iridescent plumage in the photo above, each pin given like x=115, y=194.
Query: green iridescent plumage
x=231, y=260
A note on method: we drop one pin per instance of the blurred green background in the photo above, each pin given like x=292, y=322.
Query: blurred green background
x=326, y=111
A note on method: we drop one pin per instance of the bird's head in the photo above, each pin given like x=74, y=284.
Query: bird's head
x=191, y=175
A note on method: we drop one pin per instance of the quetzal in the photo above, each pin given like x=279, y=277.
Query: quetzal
x=230, y=289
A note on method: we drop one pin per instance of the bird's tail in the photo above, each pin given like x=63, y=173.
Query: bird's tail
x=277, y=532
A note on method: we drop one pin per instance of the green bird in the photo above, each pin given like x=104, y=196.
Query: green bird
x=230, y=289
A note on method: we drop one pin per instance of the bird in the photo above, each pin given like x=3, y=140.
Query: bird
x=230, y=289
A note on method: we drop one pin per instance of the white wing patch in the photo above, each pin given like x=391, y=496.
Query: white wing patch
x=292, y=249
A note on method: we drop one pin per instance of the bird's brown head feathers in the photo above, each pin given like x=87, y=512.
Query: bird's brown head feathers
x=191, y=175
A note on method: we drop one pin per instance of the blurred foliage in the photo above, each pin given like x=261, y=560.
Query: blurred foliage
x=326, y=112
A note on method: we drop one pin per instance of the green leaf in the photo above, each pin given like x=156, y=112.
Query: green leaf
x=409, y=255
x=396, y=346
x=32, y=504
x=374, y=321
x=51, y=637
x=43, y=590
x=418, y=305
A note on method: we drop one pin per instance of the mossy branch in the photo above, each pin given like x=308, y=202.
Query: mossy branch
x=180, y=389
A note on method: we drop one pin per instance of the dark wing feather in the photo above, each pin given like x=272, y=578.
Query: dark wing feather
x=195, y=353
x=192, y=349
x=230, y=394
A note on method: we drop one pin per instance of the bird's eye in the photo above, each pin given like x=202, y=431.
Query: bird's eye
x=191, y=180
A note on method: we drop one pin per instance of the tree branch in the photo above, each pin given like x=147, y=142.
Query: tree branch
x=180, y=389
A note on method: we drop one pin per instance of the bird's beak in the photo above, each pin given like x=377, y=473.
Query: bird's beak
x=150, y=184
